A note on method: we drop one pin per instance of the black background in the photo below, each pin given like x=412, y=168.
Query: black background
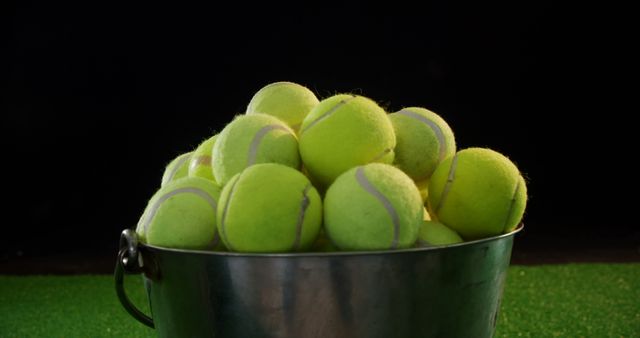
x=100, y=97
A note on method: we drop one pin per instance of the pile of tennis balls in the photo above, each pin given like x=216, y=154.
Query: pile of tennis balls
x=298, y=174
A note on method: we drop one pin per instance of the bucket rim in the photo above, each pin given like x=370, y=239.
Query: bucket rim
x=336, y=253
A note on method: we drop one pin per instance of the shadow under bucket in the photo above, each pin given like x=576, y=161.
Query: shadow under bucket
x=446, y=291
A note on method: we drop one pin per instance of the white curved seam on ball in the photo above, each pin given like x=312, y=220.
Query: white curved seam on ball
x=223, y=230
x=303, y=210
x=368, y=187
x=186, y=190
x=436, y=129
x=328, y=113
x=257, y=138
x=183, y=158
x=513, y=201
x=447, y=186
x=199, y=160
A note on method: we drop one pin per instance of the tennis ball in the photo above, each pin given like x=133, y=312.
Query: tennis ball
x=288, y=101
x=269, y=208
x=425, y=214
x=478, y=193
x=433, y=233
x=177, y=168
x=423, y=187
x=200, y=162
x=344, y=131
x=373, y=207
x=424, y=139
x=182, y=215
x=252, y=139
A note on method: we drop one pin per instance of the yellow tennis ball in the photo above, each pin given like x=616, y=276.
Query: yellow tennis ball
x=425, y=214
x=200, y=162
x=344, y=131
x=269, y=208
x=424, y=139
x=253, y=139
x=182, y=215
x=288, y=101
x=373, y=207
x=177, y=168
x=423, y=187
x=478, y=193
x=433, y=233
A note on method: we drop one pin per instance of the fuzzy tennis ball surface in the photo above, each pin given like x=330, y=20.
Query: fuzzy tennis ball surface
x=433, y=233
x=200, y=162
x=177, y=168
x=182, y=215
x=423, y=187
x=269, y=208
x=425, y=214
x=288, y=101
x=373, y=207
x=344, y=131
x=424, y=139
x=253, y=139
x=478, y=193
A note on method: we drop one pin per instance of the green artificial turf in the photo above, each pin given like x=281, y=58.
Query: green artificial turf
x=68, y=306
x=575, y=300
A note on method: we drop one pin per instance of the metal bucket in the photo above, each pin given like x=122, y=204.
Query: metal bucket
x=449, y=291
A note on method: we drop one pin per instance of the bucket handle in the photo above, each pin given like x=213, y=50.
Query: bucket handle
x=128, y=262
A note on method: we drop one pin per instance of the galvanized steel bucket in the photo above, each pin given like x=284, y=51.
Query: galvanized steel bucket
x=447, y=291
